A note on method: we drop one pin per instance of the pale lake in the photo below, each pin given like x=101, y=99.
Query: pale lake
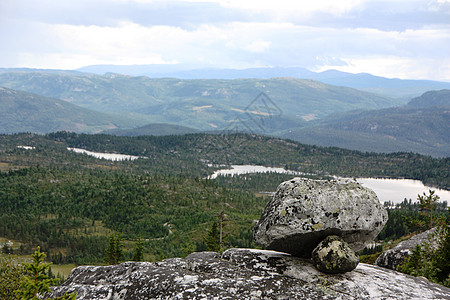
x=394, y=190
x=108, y=156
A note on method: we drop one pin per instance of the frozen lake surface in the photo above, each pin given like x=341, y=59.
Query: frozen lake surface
x=394, y=190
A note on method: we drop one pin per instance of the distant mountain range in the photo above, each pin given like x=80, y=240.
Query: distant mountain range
x=260, y=105
x=300, y=109
x=422, y=126
x=391, y=87
x=157, y=129
x=26, y=112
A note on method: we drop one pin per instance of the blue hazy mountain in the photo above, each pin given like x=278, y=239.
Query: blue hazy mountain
x=392, y=87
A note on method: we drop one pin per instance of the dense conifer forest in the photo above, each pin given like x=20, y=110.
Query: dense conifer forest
x=69, y=203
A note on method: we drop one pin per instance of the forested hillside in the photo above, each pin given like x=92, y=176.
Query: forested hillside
x=201, y=104
x=153, y=129
x=71, y=212
x=70, y=203
x=440, y=98
x=27, y=112
x=196, y=154
x=422, y=126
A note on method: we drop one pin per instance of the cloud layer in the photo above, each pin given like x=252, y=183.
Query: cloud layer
x=402, y=38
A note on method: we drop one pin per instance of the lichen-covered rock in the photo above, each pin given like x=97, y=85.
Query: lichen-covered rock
x=392, y=258
x=303, y=212
x=242, y=274
x=333, y=255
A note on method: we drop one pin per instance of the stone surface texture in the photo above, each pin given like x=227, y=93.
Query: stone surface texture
x=393, y=257
x=303, y=212
x=333, y=255
x=242, y=274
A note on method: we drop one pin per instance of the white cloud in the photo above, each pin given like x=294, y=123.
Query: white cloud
x=394, y=67
x=416, y=54
x=130, y=43
x=240, y=44
x=289, y=6
x=351, y=35
x=258, y=46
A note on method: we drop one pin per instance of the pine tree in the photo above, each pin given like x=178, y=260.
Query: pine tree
x=212, y=239
x=37, y=282
x=428, y=203
x=114, y=253
x=139, y=250
x=441, y=260
x=11, y=274
x=6, y=249
x=429, y=261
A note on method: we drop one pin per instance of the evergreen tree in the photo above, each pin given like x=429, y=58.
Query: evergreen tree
x=212, y=239
x=429, y=261
x=441, y=260
x=139, y=250
x=11, y=274
x=37, y=282
x=428, y=203
x=6, y=249
x=114, y=252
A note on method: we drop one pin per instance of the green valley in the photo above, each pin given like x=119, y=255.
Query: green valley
x=205, y=104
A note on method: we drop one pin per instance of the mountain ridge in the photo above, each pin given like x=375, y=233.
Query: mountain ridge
x=421, y=126
x=202, y=104
x=156, y=129
x=300, y=109
x=28, y=112
x=393, y=87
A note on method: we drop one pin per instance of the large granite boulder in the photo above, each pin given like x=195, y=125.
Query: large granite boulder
x=303, y=212
x=333, y=255
x=242, y=274
x=392, y=258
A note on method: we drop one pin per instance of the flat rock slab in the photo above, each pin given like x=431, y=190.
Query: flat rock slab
x=242, y=274
x=303, y=212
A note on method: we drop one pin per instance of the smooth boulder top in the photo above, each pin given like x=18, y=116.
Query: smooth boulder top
x=304, y=211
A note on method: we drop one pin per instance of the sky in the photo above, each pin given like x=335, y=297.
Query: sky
x=395, y=38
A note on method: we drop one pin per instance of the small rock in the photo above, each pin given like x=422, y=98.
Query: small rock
x=305, y=211
x=333, y=255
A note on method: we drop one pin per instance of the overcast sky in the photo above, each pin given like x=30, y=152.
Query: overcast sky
x=394, y=38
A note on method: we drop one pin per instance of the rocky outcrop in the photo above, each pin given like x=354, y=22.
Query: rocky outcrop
x=242, y=274
x=392, y=258
x=333, y=255
x=304, y=211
